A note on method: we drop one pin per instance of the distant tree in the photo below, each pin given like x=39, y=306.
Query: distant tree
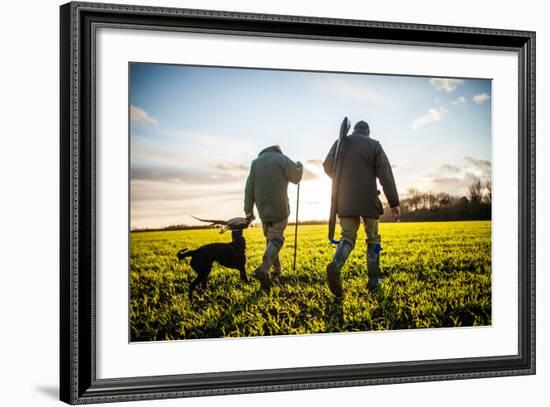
x=432, y=200
x=405, y=205
x=420, y=206
x=425, y=199
x=463, y=201
x=414, y=197
x=489, y=188
x=476, y=191
x=443, y=199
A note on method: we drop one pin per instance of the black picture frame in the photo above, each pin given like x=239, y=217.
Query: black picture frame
x=78, y=382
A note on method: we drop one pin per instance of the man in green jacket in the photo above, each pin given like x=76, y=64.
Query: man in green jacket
x=364, y=162
x=266, y=187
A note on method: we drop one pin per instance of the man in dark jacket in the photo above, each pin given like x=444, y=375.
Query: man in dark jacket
x=266, y=187
x=364, y=161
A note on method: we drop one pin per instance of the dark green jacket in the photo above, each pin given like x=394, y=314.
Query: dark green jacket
x=364, y=162
x=267, y=184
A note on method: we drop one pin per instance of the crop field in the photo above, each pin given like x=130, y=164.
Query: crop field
x=435, y=274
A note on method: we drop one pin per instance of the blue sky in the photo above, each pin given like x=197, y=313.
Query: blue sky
x=195, y=130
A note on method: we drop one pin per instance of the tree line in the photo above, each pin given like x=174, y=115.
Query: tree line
x=427, y=206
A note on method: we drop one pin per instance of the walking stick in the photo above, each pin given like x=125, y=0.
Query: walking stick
x=296, y=227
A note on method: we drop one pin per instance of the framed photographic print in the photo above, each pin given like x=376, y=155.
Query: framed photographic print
x=255, y=203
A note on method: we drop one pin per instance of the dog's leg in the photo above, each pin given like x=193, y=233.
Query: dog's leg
x=194, y=284
x=244, y=277
x=205, y=283
x=203, y=272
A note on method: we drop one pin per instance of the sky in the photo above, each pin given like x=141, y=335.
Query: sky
x=195, y=130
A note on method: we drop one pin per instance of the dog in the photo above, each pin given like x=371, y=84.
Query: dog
x=231, y=255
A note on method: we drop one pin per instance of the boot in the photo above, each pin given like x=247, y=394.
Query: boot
x=262, y=273
x=333, y=269
x=373, y=265
x=276, y=268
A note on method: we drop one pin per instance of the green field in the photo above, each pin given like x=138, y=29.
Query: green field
x=435, y=274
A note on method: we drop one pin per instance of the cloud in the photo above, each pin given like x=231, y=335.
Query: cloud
x=448, y=85
x=177, y=149
x=482, y=167
x=460, y=101
x=233, y=167
x=185, y=175
x=140, y=116
x=434, y=114
x=477, y=162
x=308, y=175
x=315, y=161
x=481, y=98
x=403, y=168
x=452, y=185
x=454, y=179
x=157, y=203
x=449, y=168
x=148, y=192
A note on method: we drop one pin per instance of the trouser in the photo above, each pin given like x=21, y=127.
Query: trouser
x=274, y=233
x=350, y=226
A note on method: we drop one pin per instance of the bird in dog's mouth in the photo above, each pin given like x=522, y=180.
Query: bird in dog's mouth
x=238, y=223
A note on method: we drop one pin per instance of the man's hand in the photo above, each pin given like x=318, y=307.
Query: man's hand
x=395, y=212
x=299, y=165
x=250, y=216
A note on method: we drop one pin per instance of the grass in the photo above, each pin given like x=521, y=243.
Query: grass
x=435, y=274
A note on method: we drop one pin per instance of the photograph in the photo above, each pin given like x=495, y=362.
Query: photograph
x=254, y=201
x=268, y=202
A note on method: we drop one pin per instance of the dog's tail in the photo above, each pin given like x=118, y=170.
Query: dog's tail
x=183, y=253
